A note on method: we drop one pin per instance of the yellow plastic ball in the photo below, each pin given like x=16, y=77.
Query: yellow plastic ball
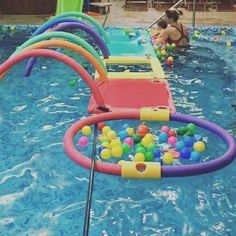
x=86, y=130
x=111, y=134
x=106, y=144
x=12, y=27
x=149, y=137
x=139, y=157
x=117, y=151
x=223, y=32
x=168, y=158
x=105, y=154
x=130, y=131
x=146, y=141
x=170, y=59
x=196, y=32
x=105, y=129
x=115, y=142
x=199, y=146
x=228, y=44
x=163, y=52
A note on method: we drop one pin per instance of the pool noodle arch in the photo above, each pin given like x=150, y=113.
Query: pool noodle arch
x=70, y=37
x=86, y=28
x=75, y=14
x=58, y=56
x=75, y=48
x=167, y=171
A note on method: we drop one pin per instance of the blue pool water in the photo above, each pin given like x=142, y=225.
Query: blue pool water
x=42, y=192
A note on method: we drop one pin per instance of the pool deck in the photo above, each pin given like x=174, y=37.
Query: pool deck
x=120, y=17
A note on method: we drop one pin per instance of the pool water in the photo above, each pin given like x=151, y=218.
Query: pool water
x=42, y=192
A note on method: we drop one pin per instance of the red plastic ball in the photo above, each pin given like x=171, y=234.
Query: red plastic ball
x=142, y=130
x=171, y=133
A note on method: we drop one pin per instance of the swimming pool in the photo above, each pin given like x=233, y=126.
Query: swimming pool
x=43, y=192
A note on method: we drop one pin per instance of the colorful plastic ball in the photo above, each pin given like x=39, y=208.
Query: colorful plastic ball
x=4, y=29
x=174, y=153
x=182, y=131
x=157, y=152
x=86, y=130
x=169, y=63
x=12, y=28
x=111, y=134
x=179, y=145
x=115, y=142
x=171, y=133
x=130, y=131
x=139, y=157
x=140, y=150
x=83, y=141
x=136, y=138
x=185, y=153
x=100, y=125
x=150, y=137
x=126, y=148
x=172, y=141
x=165, y=129
x=142, y=130
x=151, y=147
x=228, y=44
x=195, y=156
x=105, y=154
x=72, y=83
x=191, y=127
x=116, y=151
x=105, y=129
x=163, y=137
x=163, y=52
x=199, y=146
x=173, y=46
x=188, y=141
x=149, y=156
x=145, y=141
x=129, y=141
x=168, y=158
x=223, y=32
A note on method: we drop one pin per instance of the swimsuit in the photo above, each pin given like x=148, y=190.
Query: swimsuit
x=182, y=35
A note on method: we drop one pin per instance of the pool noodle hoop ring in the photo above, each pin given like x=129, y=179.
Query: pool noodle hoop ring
x=166, y=171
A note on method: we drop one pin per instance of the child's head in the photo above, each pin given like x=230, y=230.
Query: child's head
x=162, y=24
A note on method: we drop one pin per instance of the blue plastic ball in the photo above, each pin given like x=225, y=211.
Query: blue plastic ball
x=188, y=141
x=195, y=156
x=163, y=137
x=156, y=153
x=185, y=153
x=179, y=146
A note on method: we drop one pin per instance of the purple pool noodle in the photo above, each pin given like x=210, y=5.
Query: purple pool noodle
x=202, y=168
